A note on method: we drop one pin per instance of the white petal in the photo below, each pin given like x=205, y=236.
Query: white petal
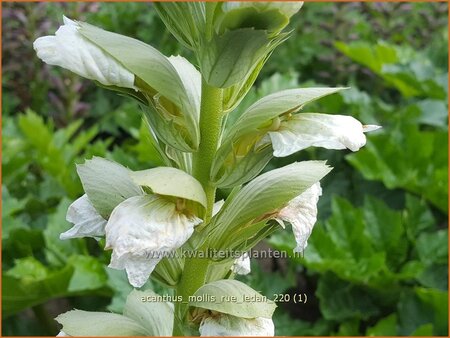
x=62, y=334
x=70, y=50
x=241, y=265
x=141, y=229
x=301, y=212
x=227, y=325
x=87, y=221
x=318, y=130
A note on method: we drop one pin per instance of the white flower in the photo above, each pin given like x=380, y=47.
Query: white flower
x=241, y=265
x=62, y=334
x=87, y=221
x=228, y=325
x=70, y=50
x=301, y=212
x=318, y=130
x=141, y=230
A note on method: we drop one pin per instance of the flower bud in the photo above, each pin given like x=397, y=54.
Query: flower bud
x=69, y=49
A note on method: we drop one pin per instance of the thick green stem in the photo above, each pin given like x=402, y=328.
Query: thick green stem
x=210, y=127
x=196, y=268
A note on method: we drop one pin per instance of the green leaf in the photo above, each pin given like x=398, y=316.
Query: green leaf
x=364, y=245
x=411, y=72
x=417, y=217
x=56, y=250
x=390, y=240
x=107, y=184
x=147, y=148
x=155, y=316
x=84, y=323
x=89, y=274
x=433, y=247
x=170, y=182
x=35, y=288
x=385, y=327
x=341, y=301
x=30, y=283
x=29, y=269
x=423, y=330
x=437, y=300
x=400, y=158
x=423, y=306
x=10, y=208
x=118, y=281
x=234, y=298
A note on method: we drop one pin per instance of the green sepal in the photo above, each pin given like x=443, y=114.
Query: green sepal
x=264, y=196
x=249, y=303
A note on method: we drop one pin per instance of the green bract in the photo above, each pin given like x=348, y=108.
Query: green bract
x=231, y=40
x=259, y=199
x=248, y=303
x=171, y=85
x=142, y=316
x=107, y=184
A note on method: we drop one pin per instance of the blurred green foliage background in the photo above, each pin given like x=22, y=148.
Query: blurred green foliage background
x=376, y=263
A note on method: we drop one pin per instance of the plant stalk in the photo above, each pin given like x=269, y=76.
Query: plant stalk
x=196, y=268
x=210, y=128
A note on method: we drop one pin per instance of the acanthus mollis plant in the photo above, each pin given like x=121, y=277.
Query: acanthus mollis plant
x=152, y=218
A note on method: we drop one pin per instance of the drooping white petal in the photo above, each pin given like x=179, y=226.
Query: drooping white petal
x=241, y=265
x=318, y=130
x=301, y=212
x=70, y=50
x=141, y=230
x=87, y=221
x=227, y=325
